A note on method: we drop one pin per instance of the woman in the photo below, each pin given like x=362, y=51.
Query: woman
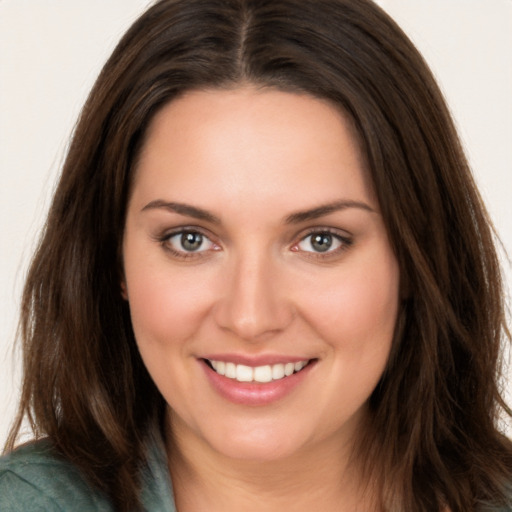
x=266, y=277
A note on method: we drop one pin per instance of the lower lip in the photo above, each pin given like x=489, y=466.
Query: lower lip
x=255, y=393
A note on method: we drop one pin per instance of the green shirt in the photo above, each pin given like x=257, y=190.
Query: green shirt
x=33, y=479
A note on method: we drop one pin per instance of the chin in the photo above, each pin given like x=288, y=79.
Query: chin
x=259, y=451
x=258, y=443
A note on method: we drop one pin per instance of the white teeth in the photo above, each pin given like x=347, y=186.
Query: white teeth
x=221, y=367
x=263, y=373
x=244, y=373
x=230, y=370
x=298, y=366
x=277, y=371
x=289, y=368
x=267, y=373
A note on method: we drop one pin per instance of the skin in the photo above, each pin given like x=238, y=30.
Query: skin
x=252, y=159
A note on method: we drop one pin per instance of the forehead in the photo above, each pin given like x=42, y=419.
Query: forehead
x=251, y=139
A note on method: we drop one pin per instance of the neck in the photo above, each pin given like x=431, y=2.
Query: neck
x=321, y=477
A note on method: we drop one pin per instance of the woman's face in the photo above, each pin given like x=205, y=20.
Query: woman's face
x=262, y=286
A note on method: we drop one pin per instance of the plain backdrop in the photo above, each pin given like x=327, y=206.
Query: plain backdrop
x=52, y=50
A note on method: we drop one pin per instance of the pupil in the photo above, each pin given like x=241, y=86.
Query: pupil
x=191, y=241
x=321, y=242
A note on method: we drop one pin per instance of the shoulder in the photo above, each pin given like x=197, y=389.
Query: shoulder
x=34, y=478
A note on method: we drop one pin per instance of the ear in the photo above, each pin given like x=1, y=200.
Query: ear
x=122, y=278
x=124, y=290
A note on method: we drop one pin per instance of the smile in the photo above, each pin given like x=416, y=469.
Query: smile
x=262, y=374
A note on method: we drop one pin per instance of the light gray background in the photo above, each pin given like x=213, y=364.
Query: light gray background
x=52, y=50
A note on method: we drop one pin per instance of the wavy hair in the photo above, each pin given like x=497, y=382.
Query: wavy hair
x=432, y=433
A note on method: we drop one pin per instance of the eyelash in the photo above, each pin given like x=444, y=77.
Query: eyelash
x=344, y=241
x=164, y=240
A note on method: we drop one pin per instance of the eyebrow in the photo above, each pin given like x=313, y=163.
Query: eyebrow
x=294, y=218
x=182, y=209
x=326, y=209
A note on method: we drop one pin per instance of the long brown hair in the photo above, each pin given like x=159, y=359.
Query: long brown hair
x=432, y=433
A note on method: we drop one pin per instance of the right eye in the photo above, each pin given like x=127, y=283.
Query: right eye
x=187, y=242
x=320, y=242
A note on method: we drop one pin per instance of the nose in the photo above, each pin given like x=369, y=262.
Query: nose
x=254, y=304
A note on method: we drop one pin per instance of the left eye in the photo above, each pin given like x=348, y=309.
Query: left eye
x=320, y=242
x=190, y=241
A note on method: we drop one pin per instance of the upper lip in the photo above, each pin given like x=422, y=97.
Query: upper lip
x=254, y=361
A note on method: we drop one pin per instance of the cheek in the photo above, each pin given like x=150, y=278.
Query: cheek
x=166, y=312
x=166, y=306
x=358, y=307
